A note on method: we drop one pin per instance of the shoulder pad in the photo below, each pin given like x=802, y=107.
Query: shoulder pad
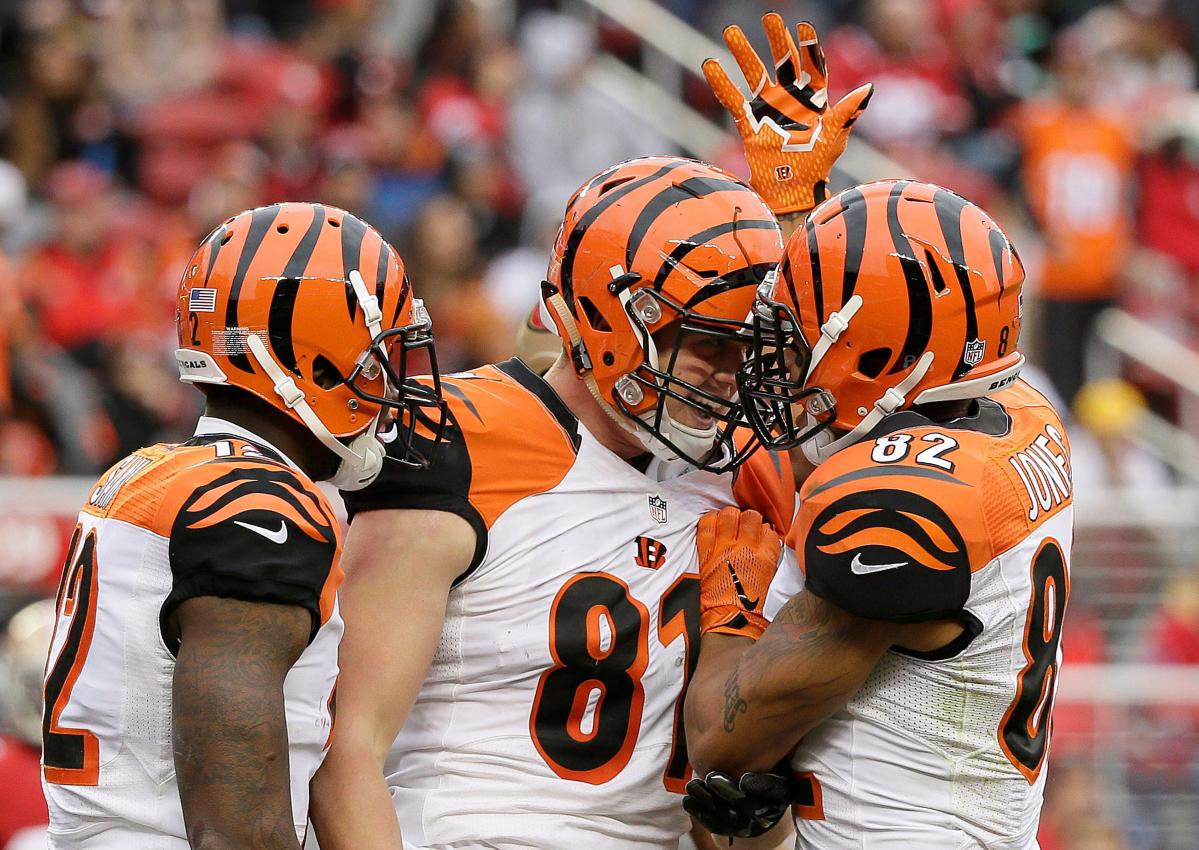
x=888, y=537
x=253, y=530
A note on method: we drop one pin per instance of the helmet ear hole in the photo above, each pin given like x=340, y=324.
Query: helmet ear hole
x=594, y=317
x=324, y=374
x=872, y=363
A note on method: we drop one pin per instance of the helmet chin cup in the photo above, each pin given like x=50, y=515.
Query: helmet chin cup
x=361, y=462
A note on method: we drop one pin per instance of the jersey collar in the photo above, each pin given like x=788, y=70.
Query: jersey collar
x=210, y=425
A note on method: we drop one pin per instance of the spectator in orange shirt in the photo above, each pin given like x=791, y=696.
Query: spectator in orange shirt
x=1078, y=168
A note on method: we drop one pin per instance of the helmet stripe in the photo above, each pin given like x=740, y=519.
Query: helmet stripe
x=260, y=222
x=949, y=206
x=696, y=240
x=854, y=209
x=214, y=248
x=353, y=231
x=998, y=244
x=278, y=323
x=283, y=301
x=817, y=275
x=381, y=273
x=589, y=217
x=920, y=300
x=299, y=259
x=675, y=193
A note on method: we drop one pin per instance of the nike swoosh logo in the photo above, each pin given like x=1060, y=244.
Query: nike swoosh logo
x=746, y=603
x=859, y=569
x=273, y=536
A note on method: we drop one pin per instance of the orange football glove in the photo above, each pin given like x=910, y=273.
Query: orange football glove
x=738, y=554
x=791, y=136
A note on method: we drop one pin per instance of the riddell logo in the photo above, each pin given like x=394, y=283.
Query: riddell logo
x=192, y=364
x=783, y=172
x=651, y=553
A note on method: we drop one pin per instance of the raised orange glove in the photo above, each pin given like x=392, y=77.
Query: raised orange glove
x=738, y=554
x=791, y=136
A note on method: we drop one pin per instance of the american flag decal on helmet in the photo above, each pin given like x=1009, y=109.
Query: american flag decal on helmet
x=201, y=301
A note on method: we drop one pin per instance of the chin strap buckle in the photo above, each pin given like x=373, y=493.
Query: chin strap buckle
x=580, y=358
x=289, y=392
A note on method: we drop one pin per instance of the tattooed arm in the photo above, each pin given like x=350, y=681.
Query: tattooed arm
x=749, y=703
x=229, y=729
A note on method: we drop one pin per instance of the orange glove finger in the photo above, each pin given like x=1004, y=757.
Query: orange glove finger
x=850, y=107
x=811, y=56
x=747, y=59
x=726, y=92
x=782, y=48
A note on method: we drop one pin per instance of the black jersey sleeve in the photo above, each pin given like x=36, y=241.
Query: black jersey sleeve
x=443, y=485
x=884, y=553
x=256, y=532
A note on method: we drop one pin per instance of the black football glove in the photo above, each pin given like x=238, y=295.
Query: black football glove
x=739, y=808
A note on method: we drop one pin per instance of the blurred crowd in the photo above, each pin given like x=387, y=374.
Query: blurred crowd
x=130, y=128
x=459, y=128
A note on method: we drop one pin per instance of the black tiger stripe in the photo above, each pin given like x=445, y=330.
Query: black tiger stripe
x=817, y=275
x=261, y=480
x=895, y=521
x=998, y=243
x=299, y=258
x=920, y=300
x=761, y=110
x=950, y=206
x=278, y=323
x=381, y=272
x=588, y=218
x=748, y=276
x=854, y=209
x=675, y=193
x=353, y=231
x=697, y=240
x=405, y=292
x=260, y=222
x=215, y=246
x=283, y=301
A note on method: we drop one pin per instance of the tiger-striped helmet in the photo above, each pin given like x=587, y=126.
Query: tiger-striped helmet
x=643, y=245
x=308, y=308
x=895, y=293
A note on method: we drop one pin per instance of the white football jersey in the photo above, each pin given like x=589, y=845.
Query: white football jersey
x=220, y=515
x=551, y=715
x=971, y=519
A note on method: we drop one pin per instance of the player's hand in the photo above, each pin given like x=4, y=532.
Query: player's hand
x=738, y=555
x=791, y=136
x=742, y=808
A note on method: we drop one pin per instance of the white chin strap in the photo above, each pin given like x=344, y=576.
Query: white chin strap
x=823, y=446
x=361, y=460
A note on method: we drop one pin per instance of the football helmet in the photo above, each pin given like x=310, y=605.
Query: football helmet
x=308, y=308
x=24, y=642
x=894, y=294
x=646, y=244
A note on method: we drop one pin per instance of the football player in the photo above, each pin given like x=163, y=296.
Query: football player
x=527, y=607
x=189, y=687
x=911, y=681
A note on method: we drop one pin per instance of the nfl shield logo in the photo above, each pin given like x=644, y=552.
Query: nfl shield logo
x=974, y=352
x=657, y=509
